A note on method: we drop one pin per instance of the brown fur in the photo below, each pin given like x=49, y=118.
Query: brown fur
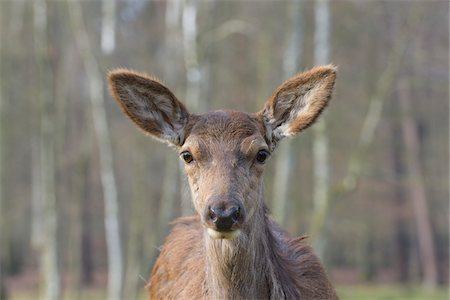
x=258, y=260
x=179, y=272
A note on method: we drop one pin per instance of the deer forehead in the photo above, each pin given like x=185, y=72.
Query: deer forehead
x=223, y=132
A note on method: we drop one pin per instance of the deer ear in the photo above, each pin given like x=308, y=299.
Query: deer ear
x=150, y=105
x=298, y=102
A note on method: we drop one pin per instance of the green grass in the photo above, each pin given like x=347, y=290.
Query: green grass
x=367, y=292
x=357, y=292
x=86, y=294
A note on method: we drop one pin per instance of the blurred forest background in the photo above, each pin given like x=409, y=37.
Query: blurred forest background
x=85, y=198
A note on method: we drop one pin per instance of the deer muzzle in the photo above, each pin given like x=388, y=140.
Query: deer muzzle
x=223, y=219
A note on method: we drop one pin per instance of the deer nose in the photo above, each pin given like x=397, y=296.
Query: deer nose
x=224, y=219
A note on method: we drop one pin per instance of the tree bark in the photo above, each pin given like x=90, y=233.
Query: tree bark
x=416, y=188
x=47, y=245
x=320, y=139
x=108, y=179
x=285, y=161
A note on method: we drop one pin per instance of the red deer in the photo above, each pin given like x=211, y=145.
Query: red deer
x=232, y=248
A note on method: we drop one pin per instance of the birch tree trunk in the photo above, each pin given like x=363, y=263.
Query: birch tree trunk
x=320, y=140
x=416, y=189
x=112, y=230
x=193, y=75
x=47, y=244
x=108, y=36
x=285, y=160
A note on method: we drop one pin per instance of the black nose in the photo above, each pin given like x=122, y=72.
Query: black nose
x=224, y=219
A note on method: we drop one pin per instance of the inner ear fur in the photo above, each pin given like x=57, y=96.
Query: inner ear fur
x=297, y=103
x=149, y=104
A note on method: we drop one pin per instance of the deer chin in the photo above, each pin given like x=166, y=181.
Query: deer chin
x=223, y=235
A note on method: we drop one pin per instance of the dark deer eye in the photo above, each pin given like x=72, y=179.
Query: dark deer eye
x=262, y=156
x=187, y=156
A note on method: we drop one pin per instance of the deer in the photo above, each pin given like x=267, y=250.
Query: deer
x=231, y=248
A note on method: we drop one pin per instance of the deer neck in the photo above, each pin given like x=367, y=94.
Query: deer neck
x=243, y=268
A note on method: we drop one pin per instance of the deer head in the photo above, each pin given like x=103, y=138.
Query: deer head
x=224, y=151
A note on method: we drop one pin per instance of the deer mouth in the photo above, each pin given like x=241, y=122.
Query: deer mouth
x=223, y=235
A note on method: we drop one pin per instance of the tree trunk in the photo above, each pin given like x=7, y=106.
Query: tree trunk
x=47, y=244
x=136, y=230
x=108, y=36
x=78, y=220
x=285, y=160
x=3, y=292
x=112, y=230
x=416, y=188
x=320, y=141
x=193, y=73
x=87, y=258
x=402, y=238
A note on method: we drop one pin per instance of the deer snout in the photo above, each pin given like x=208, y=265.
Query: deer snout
x=224, y=218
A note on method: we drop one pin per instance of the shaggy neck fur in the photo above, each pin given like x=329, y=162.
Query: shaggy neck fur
x=245, y=267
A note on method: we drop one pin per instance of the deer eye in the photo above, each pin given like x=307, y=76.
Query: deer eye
x=187, y=156
x=262, y=156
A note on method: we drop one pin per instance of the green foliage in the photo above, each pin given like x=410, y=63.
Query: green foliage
x=368, y=292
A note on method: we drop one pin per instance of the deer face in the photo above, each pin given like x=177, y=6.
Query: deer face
x=224, y=156
x=224, y=151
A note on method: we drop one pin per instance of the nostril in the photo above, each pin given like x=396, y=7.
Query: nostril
x=212, y=215
x=235, y=213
